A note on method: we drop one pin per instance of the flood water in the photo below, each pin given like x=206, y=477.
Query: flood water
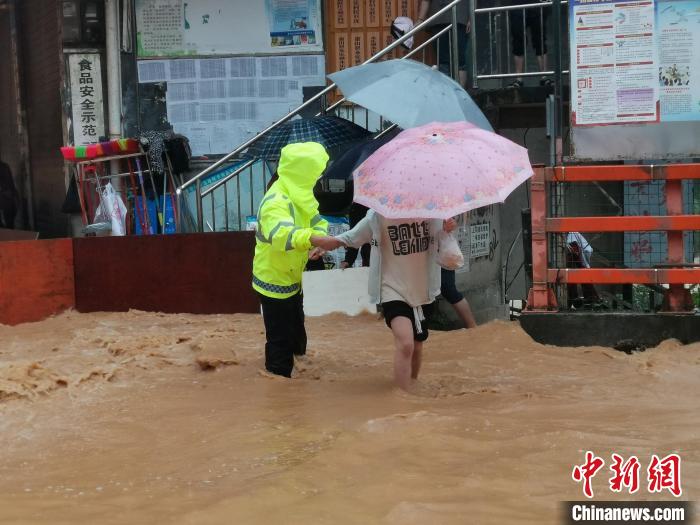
x=153, y=418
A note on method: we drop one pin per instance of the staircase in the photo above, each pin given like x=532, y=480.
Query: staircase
x=225, y=195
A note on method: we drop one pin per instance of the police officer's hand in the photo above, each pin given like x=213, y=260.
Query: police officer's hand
x=327, y=243
x=316, y=253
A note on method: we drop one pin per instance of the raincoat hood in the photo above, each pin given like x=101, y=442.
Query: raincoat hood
x=299, y=169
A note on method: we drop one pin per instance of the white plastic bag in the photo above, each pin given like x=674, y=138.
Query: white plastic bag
x=112, y=209
x=449, y=255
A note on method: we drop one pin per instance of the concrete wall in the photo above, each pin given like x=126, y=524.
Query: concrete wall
x=481, y=279
x=536, y=141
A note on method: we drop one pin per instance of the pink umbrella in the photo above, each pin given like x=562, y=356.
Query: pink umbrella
x=440, y=170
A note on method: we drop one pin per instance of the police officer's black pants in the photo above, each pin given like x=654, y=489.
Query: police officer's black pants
x=285, y=332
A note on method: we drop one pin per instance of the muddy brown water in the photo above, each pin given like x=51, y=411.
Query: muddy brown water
x=151, y=418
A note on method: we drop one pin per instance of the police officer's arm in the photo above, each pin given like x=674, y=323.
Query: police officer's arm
x=278, y=228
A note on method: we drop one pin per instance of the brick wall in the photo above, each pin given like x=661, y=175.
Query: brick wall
x=40, y=41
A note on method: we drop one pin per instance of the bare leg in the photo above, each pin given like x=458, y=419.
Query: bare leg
x=463, y=79
x=402, y=329
x=519, y=63
x=417, y=359
x=465, y=313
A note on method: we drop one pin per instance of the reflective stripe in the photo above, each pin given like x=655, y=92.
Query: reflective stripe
x=275, y=288
x=319, y=229
x=262, y=203
x=291, y=212
x=268, y=240
x=315, y=220
x=288, y=247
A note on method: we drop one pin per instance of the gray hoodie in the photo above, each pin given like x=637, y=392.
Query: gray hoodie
x=368, y=230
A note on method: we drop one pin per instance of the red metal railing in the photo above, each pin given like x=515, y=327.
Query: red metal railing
x=675, y=273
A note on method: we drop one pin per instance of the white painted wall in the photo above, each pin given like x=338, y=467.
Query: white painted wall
x=343, y=291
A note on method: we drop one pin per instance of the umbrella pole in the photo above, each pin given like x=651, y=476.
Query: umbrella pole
x=137, y=209
x=147, y=220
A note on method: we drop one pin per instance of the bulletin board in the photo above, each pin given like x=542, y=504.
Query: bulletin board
x=177, y=28
x=634, y=79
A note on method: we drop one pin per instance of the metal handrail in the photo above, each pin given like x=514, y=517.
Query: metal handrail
x=502, y=8
x=228, y=177
x=316, y=97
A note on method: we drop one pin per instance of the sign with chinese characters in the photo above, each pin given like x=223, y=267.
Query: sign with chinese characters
x=86, y=98
x=632, y=61
x=479, y=240
x=661, y=474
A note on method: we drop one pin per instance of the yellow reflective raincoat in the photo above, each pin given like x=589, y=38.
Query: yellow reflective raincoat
x=287, y=218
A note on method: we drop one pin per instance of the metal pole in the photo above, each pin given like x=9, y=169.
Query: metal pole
x=524, y=40
x=114, y=82
x=179, y=199
x=238, y=204
x=198, y=203
x=472, y=47
x=558, y=80
x=455, y=46
x=551, y=110
x=490, y=43
x=213, y=214
x=250, y=187
x=226, y=205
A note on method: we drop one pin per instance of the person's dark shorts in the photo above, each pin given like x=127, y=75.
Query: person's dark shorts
x=448, y=287
x=537, y=22
x=394, y=309
x=442, y=46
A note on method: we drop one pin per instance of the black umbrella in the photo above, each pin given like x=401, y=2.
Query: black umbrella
x=328, y=130
x=334, y=191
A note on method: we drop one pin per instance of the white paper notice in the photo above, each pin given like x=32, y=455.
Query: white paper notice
x=220, y=103
x=614, y=62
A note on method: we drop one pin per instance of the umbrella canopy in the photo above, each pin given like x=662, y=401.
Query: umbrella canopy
x=439, y=171
x=330, y=131
x=409, y=93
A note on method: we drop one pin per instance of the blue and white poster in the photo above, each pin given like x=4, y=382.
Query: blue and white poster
x=678, y=40
x=293, y=22
x=635, y=62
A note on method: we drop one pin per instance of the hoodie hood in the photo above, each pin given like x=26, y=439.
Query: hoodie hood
x=300, y=167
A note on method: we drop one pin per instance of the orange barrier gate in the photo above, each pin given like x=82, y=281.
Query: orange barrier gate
x=676, y=274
